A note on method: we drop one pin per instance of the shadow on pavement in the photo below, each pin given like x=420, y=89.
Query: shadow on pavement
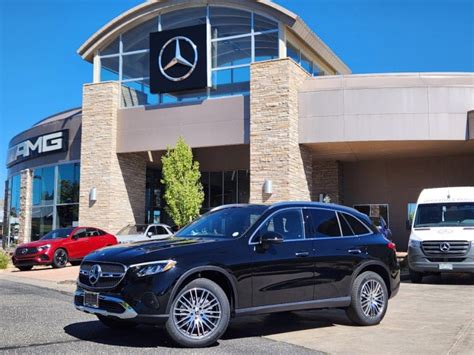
x=149, y=336
x=447, y=279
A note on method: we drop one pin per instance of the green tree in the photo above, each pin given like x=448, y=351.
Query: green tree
x=183, y=189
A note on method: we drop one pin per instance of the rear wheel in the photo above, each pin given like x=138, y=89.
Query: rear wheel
x=415, y=276
x=199, y=315
x=369, y=299
x=116, y=323
x=60, y=258
x=25, y=268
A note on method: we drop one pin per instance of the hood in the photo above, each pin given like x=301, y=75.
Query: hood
x=443, y=233
x=134, y=253
x=39, y=243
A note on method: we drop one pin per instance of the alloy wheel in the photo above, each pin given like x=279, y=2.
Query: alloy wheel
x=372, y=298
x=197, y=313
x=61, y=257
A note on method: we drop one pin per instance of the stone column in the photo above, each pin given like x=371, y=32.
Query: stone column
x=26, y=190
x=275, y=153
x=119, y=179
x=6, y=214
x=328, y=178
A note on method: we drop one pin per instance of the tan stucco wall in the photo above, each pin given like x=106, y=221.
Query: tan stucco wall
x=398, y=182
x=385, y=107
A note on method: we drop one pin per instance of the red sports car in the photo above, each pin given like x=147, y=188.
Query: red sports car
x=60, y=246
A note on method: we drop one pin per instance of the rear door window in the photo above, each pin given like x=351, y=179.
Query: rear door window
x=345, y=227
x=161, y=230
x=322, y=223
x=357, y=226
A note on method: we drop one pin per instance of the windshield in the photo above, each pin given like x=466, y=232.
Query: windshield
x=445, y=214
x=58, y=233
x=133, y=229
x=229, y=223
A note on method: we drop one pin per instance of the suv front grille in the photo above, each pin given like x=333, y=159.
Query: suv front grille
x=25, y=251
x=445, y=248
x=110, y=276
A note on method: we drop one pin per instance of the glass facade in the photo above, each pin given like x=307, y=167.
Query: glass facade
x=302, y=59
x=55, y=198
x=238, y=38
x=220, y=187
x=13, y=200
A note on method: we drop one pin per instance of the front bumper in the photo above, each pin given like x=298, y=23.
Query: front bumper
x=419, y=262
x=38, y=259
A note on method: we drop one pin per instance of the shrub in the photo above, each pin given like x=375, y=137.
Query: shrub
x=4, y=259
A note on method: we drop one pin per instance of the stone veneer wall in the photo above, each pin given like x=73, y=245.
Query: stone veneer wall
x=274, y=150
x=119, y=179
x=26, y=190
x=328, y=179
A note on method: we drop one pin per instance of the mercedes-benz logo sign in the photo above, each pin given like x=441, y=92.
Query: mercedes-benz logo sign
x=24, y=251
x=178, y=58
x=444, y=247
x=94, y=274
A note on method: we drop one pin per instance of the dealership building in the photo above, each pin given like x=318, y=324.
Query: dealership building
x=270, y=111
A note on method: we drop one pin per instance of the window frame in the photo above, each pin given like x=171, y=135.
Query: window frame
x=255, y=232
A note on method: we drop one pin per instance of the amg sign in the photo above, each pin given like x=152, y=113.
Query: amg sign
x=31, y=148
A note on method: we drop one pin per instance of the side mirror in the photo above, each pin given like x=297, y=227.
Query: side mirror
x=271, y=238
x=149, y=234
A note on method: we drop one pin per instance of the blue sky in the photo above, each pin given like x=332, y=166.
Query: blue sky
x=41, y=74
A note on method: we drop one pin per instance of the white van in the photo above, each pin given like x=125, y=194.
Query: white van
x=442, y=232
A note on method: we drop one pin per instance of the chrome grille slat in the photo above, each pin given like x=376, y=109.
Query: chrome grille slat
x=111, y=276
x=456, y=247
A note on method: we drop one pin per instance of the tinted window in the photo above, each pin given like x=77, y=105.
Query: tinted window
x=288, y=223
x=356, y=225
x=58, y=233
x=161, y=230
x=323, y=223
x=92, y=232
x=81, y=233
x=346, y=228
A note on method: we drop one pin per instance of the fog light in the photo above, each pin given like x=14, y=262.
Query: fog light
x=149, y=299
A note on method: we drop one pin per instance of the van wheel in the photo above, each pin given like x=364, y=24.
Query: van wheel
x=116, y=323
x=369, y=299
x=415, y=276
x=199, y=315
x=59, y=258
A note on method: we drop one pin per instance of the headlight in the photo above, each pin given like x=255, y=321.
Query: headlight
x=44, y=247
x=414, y=243
x=154, y=267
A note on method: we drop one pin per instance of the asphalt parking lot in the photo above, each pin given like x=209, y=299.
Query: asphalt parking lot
x=432, y=318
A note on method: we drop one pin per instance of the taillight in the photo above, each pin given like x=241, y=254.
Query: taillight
x=392, y=246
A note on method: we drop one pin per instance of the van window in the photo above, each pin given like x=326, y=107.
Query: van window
x=445, y=215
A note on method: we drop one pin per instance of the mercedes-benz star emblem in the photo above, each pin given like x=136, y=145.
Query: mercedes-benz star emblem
x=94, y=274
x=178, y=58
x=24, y=251
x=444, y=247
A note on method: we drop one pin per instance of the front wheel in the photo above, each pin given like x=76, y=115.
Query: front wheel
x=369, y=299
x=59, y=258
x=199, y=315
x=116, y=323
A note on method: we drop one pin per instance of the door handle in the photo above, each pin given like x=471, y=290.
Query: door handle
x=354, y=251
x=302, y=254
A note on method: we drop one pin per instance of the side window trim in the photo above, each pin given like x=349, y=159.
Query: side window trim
x=252, y=242
x=369, y=232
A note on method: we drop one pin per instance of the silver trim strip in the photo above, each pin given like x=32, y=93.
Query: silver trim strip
x=128, y=313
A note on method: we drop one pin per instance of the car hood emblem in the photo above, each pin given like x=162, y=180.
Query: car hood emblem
x=178, y=58
x=94, y=274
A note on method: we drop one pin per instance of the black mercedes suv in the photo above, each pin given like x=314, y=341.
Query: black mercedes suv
x=242, y=260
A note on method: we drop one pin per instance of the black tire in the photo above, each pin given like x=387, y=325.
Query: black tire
x=211, y=319
x=369, y=299
x=116, y=323
x=415, y=276
x=60, y=258
x=25, y=268
x=76, y=262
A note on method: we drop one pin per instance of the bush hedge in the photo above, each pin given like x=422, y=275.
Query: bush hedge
x=4, y=259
